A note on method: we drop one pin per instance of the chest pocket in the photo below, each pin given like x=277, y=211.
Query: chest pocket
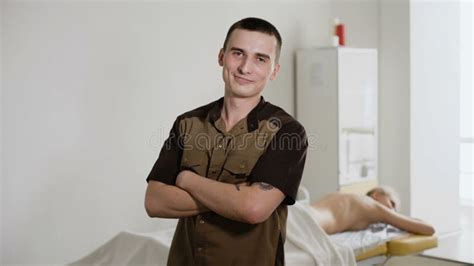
x=195, y=160
x=238, y=167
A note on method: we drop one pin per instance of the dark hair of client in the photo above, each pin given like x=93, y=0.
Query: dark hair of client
x=259, y=25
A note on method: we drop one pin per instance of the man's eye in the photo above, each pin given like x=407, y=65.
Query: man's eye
x=237, y=53
x=262, y=59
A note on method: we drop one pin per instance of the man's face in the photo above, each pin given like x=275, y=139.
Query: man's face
x=248, y=63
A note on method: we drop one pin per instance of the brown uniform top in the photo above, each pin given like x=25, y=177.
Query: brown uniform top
x=267, y=146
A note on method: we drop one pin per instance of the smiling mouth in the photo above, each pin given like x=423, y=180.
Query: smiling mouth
x=242, y=80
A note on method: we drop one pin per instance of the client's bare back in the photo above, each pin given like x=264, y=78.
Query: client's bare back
x=338, y=212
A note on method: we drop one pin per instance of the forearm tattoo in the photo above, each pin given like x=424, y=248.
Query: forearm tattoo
x=237, y=186
x=265, y=186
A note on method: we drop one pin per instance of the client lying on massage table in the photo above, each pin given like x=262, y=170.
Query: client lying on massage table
x=338, y=212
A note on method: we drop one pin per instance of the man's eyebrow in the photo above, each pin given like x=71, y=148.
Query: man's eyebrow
x=263, y=55
x=242, y=50
x=236, y=49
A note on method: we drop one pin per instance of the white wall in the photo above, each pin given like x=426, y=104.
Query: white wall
x=434, y=112
x=394, y=97
x=90, y=92
x=1, y=132
x=419, y=107
x=466, y=104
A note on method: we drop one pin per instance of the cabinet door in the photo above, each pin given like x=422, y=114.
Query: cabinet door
x=357, y=115
x=317, y=110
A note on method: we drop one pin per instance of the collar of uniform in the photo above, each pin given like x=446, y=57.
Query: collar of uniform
x=252, y=117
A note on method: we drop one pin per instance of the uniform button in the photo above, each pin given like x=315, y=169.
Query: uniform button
x=201, y=222
x=220, y=146
x=199, y=249
x=242, y=165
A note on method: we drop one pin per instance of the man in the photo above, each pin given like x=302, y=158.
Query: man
x=338, y=212
x=229, y=169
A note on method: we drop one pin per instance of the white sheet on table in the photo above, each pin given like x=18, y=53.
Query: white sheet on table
x=305, y=233
x=129, y=248
x=363, y=240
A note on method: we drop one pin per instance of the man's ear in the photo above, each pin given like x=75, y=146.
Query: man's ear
x=220, y=57
x=275, y=72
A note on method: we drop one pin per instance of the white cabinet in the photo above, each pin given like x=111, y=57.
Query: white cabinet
x=336, y=101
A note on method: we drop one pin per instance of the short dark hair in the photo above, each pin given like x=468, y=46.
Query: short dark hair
x=256, y=24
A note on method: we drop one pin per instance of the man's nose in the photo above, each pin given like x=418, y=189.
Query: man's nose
x=245, y=66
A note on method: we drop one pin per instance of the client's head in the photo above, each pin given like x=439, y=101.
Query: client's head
x=386, y=196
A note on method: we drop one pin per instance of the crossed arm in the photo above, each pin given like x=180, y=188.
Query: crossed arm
x=194, y=194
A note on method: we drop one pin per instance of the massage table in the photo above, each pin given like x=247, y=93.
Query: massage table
x=129, y=248
x=408, y=244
